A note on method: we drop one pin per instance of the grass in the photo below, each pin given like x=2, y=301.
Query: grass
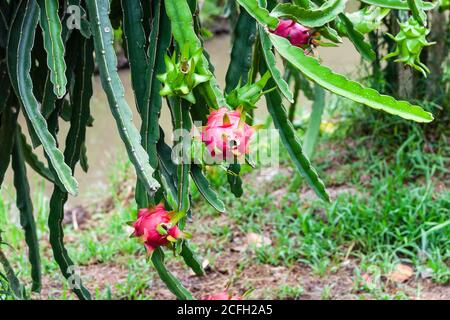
x=390, y=206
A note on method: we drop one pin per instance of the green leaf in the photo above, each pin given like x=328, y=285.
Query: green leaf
x=20, y=43
x=310, y=17
x=83, y=158
x=5, y=84
x=159, y=40
x=49, y=97
x=205, y=189
x=398, y=4
x=339, y=85
x=271, y=62
x=241, y=54
x=357, y=39
x=74, y=140
x=259, y=13
x=56, y=238
x=81, y=97
x=25, y=206
x=181, y=123
x=112, y=85
x=365, y=20
x=292, y=142
x=416, y=7
x=313, y=130
x=140, y=79
x=33, y=161
x=191, y=260
x=8, y=123
x=16, y=287
x=51, y=28
x=234, y=180
x=172, y=283
x=136, y=44
x=167, y=172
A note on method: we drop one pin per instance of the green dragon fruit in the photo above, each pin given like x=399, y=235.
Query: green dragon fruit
x=410, y=41
x=180, y=77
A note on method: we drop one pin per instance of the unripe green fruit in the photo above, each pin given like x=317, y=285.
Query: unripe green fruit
x=410, y=41
x=180, y=77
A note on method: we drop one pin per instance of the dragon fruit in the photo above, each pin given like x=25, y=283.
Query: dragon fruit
x=153, y=226
x=226, y=134
x=297, y=34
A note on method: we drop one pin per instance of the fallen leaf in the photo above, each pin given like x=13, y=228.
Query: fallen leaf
x=254, y=239
x=367, y=278
x=205, y=264
x=401, y=273
x=426, y=273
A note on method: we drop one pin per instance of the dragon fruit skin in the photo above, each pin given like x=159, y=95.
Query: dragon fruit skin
x=297, y=34
x=146, y=227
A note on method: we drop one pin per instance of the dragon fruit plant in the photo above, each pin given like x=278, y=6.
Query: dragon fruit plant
x=49, y=50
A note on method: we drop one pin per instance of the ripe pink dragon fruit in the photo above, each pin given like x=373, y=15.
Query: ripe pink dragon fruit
x=297, y=34
x=221, y=296
x=153, y=226
x=226, y=134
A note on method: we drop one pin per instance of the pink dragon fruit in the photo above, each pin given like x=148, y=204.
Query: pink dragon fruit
x=221, y=296
x=153, y=226
x=226, y=134
x=297, y=34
